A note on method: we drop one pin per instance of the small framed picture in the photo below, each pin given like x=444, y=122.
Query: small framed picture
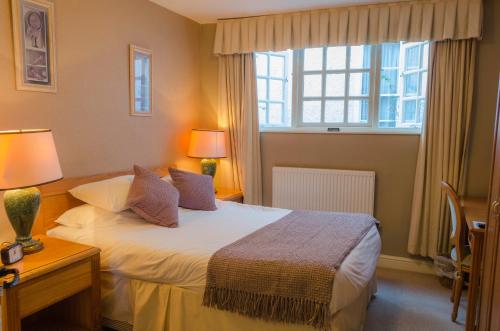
x=141, y=89
x=34, y=45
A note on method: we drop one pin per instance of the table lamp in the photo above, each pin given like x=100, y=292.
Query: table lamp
x=27, y=158
x=207, y=145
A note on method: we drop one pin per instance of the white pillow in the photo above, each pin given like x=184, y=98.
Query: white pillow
x=79, y=217
x=109, y=194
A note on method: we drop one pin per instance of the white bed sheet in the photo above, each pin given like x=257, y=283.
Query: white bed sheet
x=179, y=256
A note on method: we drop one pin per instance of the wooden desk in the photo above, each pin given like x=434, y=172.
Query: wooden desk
x=475, y=209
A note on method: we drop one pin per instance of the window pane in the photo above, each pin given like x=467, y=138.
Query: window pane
x=421, y=111
x=334, y=111
x=277, y=66
x=313, y=59
x=261, y=62
x=336, y=58
x=275, y=113
x=359, y=84
x=409, y=110
x=357, y=111
x=262, y=113
x=311, y=112
x=335, y=85
x=411, y=84
x=360, y=57
x=412, y=58
x=312, y=85
x=390, y=55
x=423, y=84
x=388, y=111
x=262, y=89
x=389, y=81
x=276, y=90
x=138, y=88
x=425, y=60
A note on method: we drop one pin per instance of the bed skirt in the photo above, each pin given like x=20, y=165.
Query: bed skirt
x=137, y=305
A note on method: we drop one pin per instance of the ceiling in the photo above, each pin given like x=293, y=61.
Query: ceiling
x=208, y=11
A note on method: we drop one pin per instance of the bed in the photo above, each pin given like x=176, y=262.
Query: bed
x=153, y=278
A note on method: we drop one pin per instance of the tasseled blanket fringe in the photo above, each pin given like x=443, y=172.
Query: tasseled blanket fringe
x=269, y=307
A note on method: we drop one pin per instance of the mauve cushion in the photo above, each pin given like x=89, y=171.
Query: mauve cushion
x=154, y=199
x=196, y=191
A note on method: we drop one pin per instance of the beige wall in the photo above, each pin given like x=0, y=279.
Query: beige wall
x=209, y=74
x=89, y=114
x=486, y=85
x=393, y=157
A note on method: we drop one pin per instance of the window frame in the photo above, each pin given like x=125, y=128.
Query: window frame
x=372, y=124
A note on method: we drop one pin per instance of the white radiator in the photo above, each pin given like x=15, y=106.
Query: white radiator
x=324, y=189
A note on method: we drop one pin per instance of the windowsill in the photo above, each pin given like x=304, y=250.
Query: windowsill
x=345, y=130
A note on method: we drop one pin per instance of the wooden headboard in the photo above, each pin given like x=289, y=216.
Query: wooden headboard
x=56, y=199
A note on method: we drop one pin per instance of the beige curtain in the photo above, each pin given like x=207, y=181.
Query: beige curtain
x=355, y=25
x=238, y=115
x=443, y=145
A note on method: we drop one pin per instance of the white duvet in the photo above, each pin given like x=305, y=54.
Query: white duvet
x=179, y=256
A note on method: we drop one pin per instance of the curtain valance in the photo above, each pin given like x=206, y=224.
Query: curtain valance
x=365, y=24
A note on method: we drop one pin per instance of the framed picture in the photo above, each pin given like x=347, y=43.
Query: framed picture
x=34, y=45
x=141, y=72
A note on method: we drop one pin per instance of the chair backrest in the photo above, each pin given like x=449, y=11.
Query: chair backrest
x=457, y=236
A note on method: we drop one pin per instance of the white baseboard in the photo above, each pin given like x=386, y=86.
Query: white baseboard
x=406, y=264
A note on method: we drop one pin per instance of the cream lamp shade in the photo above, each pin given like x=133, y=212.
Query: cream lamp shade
x=209, y=144
x=27, y=158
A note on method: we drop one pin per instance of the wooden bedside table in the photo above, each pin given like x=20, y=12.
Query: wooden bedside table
x=229, y=195
x=58, y=289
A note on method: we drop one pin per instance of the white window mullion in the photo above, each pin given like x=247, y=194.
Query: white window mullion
x=298, y=87
x=323, y=86
x=346, y=91
x=399, y=114
x=268, y=95
x=375, y=70
x=285, y=90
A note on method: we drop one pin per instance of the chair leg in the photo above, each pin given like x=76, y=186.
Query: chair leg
x=458, y=293
x=453, y=288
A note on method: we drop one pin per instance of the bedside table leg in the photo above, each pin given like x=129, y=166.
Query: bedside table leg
x=11, y=321
x=96, y=292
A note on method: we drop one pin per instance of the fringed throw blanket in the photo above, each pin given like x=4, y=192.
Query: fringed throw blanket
x=285, y=270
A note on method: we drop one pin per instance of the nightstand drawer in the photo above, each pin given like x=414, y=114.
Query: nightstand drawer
x=54, y=287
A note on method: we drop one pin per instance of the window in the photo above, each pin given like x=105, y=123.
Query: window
x=403, y=85
x=273, y=88
x=371, y=86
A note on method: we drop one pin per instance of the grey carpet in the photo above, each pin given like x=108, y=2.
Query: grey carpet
x=410, y=301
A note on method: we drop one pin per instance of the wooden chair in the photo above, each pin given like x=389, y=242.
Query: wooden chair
x=460, y=253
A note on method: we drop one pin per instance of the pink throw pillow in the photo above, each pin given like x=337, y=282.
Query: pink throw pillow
x=196, y=191
x=153, y=199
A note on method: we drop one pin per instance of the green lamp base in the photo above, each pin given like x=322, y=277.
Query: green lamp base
x=209, y=167
x=31, y=246
x=22, y=206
